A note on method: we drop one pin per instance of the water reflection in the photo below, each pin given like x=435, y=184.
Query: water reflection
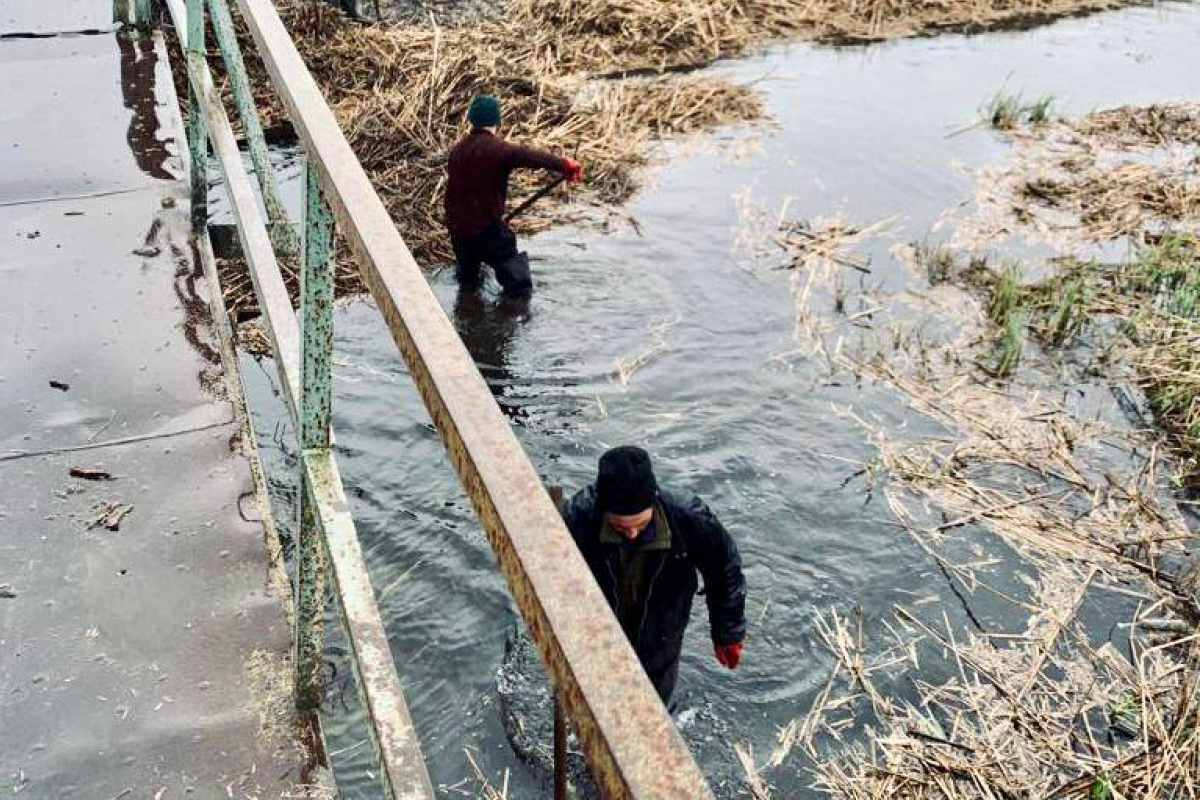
x=488, y=328
x=139, y=64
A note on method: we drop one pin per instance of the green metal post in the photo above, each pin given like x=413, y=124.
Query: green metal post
x=316, y=356
x=196, y=130
x=283, y=236
x=145, y=14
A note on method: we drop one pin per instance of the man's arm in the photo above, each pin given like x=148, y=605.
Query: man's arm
x=720, y=564
x=518, y=156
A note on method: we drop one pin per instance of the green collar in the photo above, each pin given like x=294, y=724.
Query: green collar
x=662, y=534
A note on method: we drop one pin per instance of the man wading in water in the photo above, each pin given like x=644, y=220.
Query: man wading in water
x=477, y=191
x=645, y=546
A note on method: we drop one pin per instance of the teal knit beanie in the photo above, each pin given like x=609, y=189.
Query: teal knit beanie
x=484, y=111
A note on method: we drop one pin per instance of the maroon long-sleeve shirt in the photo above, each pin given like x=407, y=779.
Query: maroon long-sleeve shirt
x=477, y=189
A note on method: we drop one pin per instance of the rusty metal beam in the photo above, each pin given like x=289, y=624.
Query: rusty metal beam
x=632, y=748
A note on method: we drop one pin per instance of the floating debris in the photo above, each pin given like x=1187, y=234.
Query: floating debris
x=86, y=474
x=111, y=514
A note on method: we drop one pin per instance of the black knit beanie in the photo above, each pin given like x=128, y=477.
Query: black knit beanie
x=625, y=484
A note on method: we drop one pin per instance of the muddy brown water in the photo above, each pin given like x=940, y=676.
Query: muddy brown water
x=732, y=406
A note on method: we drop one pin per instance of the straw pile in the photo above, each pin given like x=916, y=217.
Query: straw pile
x=400, y=93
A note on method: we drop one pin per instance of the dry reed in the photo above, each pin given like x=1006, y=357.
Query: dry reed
x=1040, y=711
x=1047, y=714
x=1130, y=171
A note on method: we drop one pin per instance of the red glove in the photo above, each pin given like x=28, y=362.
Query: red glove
x=728, y=654
x=573, y=170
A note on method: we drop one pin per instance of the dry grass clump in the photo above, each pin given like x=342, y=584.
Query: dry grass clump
x=1119, y=201
x=400, y=94
x=1046, y=714
x=826, y=240
x=660, y=33
x=1142, y=126
x=817, y=252
x=1040, y=711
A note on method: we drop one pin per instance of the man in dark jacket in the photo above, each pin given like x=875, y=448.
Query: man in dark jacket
x=477, y=192
x=645, y=546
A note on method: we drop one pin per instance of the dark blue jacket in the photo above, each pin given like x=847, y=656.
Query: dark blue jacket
x=699, y=545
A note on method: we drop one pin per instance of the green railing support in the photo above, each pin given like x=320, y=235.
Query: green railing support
x=145, y=13
x=316, y=314
x=316, y=356
x=197, y=132
x=283, y=235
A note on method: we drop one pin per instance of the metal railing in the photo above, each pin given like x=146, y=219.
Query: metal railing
x=629, y=742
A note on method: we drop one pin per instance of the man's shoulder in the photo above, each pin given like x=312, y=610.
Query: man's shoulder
x=472, y=141
x=580, y=505
x=688, y=512
x=680, y=501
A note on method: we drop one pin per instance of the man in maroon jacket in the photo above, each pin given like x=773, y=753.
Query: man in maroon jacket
x=476, y=194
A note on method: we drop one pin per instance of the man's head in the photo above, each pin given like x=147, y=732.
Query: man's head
x=484, y=111
x=626, y=490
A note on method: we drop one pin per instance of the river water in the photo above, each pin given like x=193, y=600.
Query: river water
x=731, y=403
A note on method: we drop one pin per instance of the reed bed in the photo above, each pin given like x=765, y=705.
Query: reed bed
x=400, y=93
x=1140, y=317
x=1045, y=709
x=1046, y=713
x=599, y=81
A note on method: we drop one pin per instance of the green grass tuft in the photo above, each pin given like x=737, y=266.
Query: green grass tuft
x=1006, y=111
x=1006, y=294
x=1008, y=349
x=1068, y=314
x=1038, y=112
